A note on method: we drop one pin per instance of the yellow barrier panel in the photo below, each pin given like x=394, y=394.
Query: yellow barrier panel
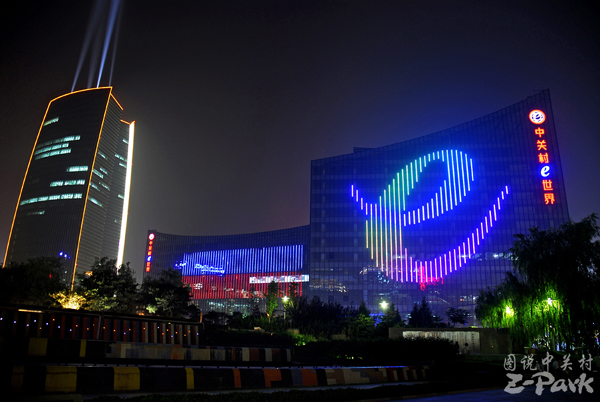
x=16, y=381
x=127, y=378
x=37, y=347
x=61, y=379
x=189, y=376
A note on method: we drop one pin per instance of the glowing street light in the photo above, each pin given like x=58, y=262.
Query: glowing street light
x=383, y=305
x=285, y=300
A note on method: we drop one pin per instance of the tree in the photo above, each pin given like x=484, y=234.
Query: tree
x=69, y=299
x=551, y=297
x=390, y=318
x=168, y=296
x=316, y=318
x=422, y=317
x=272, y=298
x=254, y=301
x=457, y=316
x=108, y=288
x=363, y=310
x=31, y=282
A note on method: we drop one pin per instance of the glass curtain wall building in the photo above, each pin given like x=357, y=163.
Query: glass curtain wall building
x=230, y=273
x=74, y=198
x=431, y=217
x=434, y=216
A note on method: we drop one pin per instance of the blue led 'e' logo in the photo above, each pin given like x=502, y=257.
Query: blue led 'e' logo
x=545, y=171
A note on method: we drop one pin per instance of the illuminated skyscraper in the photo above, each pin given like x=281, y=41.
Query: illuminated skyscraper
x=74, y=199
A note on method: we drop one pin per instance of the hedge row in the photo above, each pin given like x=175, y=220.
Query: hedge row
x=379, y=348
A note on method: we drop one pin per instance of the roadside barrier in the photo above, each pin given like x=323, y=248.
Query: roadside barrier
x=91, y=380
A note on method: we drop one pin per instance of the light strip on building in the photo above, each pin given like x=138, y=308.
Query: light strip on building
x=462, y=170
x=125, y=214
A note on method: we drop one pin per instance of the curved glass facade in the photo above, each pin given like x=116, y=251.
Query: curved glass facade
x=73, y=203
x=432, y=217
x=227, y=273
x=435, y=216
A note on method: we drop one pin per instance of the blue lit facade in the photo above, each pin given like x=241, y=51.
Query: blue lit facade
x=431, y=217
x=227, y=273
x=434, y=216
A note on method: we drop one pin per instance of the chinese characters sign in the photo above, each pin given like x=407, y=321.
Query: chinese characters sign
x=538, y=118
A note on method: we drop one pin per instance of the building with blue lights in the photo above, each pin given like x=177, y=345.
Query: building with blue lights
x=74, y=199
x=431, y=217
x=434, y=216
x=229, y=273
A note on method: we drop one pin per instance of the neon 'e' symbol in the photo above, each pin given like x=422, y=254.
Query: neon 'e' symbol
x=545, y=171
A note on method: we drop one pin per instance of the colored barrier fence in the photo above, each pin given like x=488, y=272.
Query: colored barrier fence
x=91, y=380
x=202, y=353
x=76, y=350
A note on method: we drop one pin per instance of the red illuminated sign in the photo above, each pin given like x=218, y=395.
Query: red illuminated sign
x=431, y=282
x=538, y=117
x=149, y=253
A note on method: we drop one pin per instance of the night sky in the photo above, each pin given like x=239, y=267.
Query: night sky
x=233, y=99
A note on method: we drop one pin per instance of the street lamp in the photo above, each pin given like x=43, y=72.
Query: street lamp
x=383, y=305
x=284, y=299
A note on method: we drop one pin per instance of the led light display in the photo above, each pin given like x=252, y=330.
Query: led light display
x=434, y=216
x=227, y=273
x=389, y=217
x=229, y=270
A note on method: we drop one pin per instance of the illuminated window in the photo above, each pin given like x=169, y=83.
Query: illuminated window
x=105, y=186
x=57, y=183
x=54, y=120
x=50, y=148
x=36, y=213
x=68, y=183
x=94, y=186
x=53, y=153
x=97, y=173
x=121, y=157
x=77, y=169
x=103, y=170
x=53, y=197
x=60, y=140
x=121, y=196
x=123, y=165
x=95, y=201
x=101, y=154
